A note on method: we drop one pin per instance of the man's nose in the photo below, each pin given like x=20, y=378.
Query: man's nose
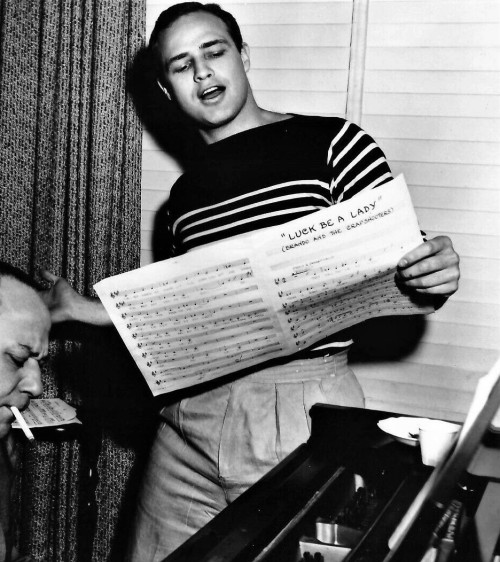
x=202, y=71
x=31, y=381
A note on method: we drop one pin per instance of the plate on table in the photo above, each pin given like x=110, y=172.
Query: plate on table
x=402, y=429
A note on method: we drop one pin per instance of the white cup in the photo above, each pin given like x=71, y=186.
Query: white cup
x=436, y=438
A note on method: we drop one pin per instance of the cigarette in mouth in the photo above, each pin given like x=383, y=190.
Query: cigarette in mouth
x=22, y=423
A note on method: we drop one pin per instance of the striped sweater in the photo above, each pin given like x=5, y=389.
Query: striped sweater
x=270, y=175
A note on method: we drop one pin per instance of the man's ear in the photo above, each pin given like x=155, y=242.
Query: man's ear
x=163, y=89
x=245, y=56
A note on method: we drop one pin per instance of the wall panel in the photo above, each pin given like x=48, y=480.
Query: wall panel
x=431, y=99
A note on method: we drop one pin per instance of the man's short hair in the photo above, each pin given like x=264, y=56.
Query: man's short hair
x=172, y=14
x=8, y=270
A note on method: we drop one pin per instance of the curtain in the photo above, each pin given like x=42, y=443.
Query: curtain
x=70, y=165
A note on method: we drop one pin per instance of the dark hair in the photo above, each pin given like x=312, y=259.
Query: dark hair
x=8, y=270
x=172, y=14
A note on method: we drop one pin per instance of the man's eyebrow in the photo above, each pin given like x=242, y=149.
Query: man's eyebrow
x=23, y=346
x=176, y=57
x=209, y=44
x=28, y=349
x=206, y=45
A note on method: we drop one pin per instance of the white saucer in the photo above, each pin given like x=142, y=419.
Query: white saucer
x=402, y=429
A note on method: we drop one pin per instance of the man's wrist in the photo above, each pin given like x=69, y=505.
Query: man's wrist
x=89, y=310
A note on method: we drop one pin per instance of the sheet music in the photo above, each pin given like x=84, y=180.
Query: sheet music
x=237, y=303
x=484, y=404
x=482, y=395
x=45, y=412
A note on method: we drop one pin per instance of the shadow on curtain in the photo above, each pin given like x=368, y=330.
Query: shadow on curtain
x=70, y=150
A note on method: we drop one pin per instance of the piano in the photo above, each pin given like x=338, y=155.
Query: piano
x=343, y=495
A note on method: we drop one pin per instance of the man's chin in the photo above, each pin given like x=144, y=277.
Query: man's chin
x=214, y=119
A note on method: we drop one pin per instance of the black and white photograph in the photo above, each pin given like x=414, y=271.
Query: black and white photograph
x=250, y=281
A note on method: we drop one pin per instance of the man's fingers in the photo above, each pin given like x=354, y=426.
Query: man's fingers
x=48, y=276
x=445, y=290
x=439, y=244
x=442, y=263
x=432, y=280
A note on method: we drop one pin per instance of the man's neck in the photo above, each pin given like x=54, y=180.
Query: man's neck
x=254, y=119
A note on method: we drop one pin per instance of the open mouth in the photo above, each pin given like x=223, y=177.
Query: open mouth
x=212, y=93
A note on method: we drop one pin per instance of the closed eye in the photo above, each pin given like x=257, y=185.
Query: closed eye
x=215, y=54
x=182, y=68
x=18, y=361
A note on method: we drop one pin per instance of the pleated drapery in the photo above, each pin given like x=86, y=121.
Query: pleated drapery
x=70, y=167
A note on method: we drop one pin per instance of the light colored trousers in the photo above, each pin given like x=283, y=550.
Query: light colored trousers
x=214, y=445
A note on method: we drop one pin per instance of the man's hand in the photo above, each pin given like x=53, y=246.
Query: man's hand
x=60, y=299
x=65, y=304
x=431, y=268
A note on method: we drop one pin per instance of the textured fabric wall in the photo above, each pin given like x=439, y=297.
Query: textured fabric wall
x=70, y=166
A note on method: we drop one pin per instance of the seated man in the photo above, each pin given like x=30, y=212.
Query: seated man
x=24, y=334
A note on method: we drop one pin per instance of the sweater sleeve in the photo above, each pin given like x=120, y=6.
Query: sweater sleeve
x=162, y=239
x=357, y=163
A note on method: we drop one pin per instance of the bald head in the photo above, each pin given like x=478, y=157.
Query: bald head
x=22, y=303
x=24, y=341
